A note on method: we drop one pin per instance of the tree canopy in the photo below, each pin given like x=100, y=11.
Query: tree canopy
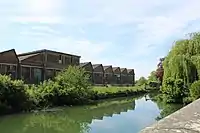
x=183, y=62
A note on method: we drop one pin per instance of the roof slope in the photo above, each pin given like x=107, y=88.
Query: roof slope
x=106, y=67
x=96, y=65
x=84, y=64
x=21, y=58
x=45, y=50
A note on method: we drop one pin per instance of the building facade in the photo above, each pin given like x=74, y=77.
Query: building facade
x=108, y=75
x=117, y=75
x=131, y=76
x=124, y=76
x=9, y=63
x=37, y=66
x=98, y=74
x=87, y=66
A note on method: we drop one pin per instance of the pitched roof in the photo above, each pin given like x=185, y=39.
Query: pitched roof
x=84, y=63
x=130, y=70
x=11, y=50
x=115, y=68
x=96, y=65
x=21, y=58
x=122, y=69
x=7, y=51
x=45, y=50
x=106, y=67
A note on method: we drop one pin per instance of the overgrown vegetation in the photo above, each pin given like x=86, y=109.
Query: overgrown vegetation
x=182, y=70
x=13, y=96
x=70, y=87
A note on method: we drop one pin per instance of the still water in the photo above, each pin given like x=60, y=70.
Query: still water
x=122, y=115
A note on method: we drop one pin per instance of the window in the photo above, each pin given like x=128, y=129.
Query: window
x=11, y=70
x=2, y=69
x=75, y=61
x=36, y=75
x=60, y=57
x=68, y=60
x=26, y=74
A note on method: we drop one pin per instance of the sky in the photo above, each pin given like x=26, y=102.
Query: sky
x=125, y=33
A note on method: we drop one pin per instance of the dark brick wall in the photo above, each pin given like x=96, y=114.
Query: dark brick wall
x=98, y=78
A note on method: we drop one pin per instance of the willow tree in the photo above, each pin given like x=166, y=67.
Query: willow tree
x=183, y=61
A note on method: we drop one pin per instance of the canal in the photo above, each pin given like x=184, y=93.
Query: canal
x=121, y=115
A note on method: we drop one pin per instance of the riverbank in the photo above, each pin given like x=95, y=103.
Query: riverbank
x=125, y=114
x=113, y=91
x=19, y=97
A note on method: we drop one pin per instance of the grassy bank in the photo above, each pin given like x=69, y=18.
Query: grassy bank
x=113, y=91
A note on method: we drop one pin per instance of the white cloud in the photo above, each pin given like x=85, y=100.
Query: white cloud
x=154, y=22
x=89, y=51
x=44, y=29
x=37, y=19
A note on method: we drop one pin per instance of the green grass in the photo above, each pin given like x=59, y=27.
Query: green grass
x=114, y=89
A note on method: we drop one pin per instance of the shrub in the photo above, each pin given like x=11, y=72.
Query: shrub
x=13, y=97
x=70, y=87
x=174, y=90
x=195, y=90
x=45, y=94
x=74, y=85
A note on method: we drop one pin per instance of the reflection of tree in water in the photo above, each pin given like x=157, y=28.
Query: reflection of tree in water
x=166, y=109
x=71, y=120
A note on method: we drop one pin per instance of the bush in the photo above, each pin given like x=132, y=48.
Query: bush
x=74, y=85
x=70, y=87
x=45, y=94
x=195, y=90
x=13, y=97
x=174, y=90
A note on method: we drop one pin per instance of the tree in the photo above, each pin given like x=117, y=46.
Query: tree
x=195, y=90
x=160, y=70
x=152, y=77
x=181, y=63
x=141, y=81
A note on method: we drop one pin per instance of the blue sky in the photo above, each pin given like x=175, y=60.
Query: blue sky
x=125, y=33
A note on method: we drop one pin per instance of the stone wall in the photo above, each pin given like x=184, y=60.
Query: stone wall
x=185, y=120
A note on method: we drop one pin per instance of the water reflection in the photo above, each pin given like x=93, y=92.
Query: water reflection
x=128, y=115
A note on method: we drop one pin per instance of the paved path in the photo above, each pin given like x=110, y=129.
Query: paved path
x=186, y=120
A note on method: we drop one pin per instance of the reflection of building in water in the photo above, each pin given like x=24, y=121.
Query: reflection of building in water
x=105, y=109
x=71, y=120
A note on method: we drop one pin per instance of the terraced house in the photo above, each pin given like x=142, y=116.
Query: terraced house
x=108, y=75
x=89, y=69
x=98, y=74
x=9, y=63
x=117, y=75
x=37, y=66
x=131, y=76
x=124, y=76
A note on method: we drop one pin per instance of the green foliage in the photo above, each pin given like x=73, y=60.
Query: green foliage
x=195, y=90
x=152, y=77
x=141, y=81
x=182, y=63
x=110, y=92
x=174, y=90
x=70, y=87
x=13, y=97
